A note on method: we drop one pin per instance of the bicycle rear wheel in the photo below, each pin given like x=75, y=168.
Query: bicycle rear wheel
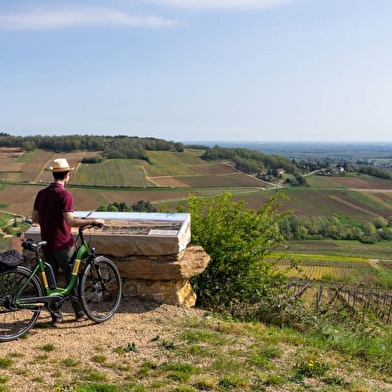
x=15, y=320
x=100, y=289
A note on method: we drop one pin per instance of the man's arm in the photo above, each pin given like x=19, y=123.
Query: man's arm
x=77, y=222
x=35, y=216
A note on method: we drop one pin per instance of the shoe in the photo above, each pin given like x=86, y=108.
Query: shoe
x=81, y=319
x=56, y=322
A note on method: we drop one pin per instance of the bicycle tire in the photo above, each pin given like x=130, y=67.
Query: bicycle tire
x=100, y=289
x=17, y=321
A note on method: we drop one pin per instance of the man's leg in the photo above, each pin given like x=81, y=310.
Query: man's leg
x=50, y=258
x=62, y=258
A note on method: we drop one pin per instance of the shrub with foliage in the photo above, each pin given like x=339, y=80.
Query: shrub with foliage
x=93, y=160
x=241, y=279
x=140, y=206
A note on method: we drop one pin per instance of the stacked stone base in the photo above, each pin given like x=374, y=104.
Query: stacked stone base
x=162, y=279
x=173, y=292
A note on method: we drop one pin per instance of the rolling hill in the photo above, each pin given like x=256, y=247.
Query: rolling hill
x=172, y=176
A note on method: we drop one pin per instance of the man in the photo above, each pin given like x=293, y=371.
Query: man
x=53, y=210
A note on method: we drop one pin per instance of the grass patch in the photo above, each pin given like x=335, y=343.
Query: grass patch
x=178, y=371
x=146, y=368
x=37, y=379
x=6, y=363
x=96, y=388
x=70, y=362
x=94, y=376
x=48, y=347
x=263, y=358
x=131, y=347
x=98, y=359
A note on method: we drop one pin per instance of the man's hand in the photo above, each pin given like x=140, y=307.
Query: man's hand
x=99, y=222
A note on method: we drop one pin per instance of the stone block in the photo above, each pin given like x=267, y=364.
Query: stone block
x=190, y=262
x=171, y=292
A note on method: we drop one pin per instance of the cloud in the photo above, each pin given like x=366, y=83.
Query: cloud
x=88, y=16
x=221, y=4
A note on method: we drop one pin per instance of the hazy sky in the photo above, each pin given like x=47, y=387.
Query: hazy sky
x=198, y=70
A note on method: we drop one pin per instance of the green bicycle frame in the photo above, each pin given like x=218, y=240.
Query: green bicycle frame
x=40, y=268
x=81, y=251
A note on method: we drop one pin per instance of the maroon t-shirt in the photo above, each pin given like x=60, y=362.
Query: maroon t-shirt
x=50, y=203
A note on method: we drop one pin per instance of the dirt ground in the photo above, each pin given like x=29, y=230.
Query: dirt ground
x=136, y=323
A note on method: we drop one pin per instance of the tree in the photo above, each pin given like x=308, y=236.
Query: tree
x=29, y=146
x=294, y=223
x=285, y=228
x=143, y=206
x=332, y=231
x=301, y=180
x=380, y=222
x=369, y=229
x=241, y=278
x=374, y=171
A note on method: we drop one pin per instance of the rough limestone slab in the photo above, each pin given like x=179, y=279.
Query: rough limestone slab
x=190, y=262
x=133, y=233
x=178, y=293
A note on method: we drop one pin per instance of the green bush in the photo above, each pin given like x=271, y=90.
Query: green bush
x=9, y=230
x=241, y=279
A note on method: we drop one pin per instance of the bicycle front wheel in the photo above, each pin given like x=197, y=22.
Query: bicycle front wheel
x=100, y=289
x=16, y=320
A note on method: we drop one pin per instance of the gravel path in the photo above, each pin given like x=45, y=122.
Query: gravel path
x=136, y=322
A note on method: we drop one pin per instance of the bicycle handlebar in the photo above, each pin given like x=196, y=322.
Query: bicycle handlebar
x=99, y=225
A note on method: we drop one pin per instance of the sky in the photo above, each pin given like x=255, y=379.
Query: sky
x=198, y=70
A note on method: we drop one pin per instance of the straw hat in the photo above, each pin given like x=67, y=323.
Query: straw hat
x=60, y=165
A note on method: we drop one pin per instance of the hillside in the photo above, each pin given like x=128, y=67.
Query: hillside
x=171, y=177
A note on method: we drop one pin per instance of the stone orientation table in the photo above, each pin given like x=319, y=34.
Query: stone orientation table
x=151, y=250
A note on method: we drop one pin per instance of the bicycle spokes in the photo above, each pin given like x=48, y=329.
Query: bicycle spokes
x=100, y=289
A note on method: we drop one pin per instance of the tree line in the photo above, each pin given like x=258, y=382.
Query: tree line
x=110, y=147
x=320, y=227
x=250, y=161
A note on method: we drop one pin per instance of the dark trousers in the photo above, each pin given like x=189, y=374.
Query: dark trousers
x=59, y=260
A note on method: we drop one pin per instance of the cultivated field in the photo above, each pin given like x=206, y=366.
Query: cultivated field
x=172, y=176
x=167, y=182
x=341, y=261
x=341, y=269
x=357, y=182
x=113, y=172
x=380, y=251
x=358, y=205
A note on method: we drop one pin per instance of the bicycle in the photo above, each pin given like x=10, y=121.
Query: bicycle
x=23, y=295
